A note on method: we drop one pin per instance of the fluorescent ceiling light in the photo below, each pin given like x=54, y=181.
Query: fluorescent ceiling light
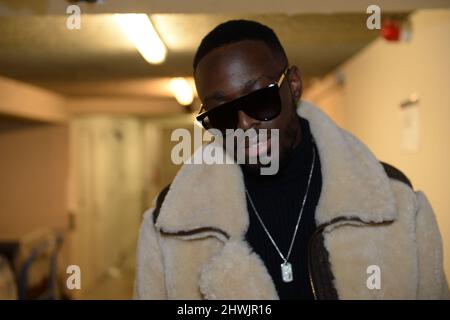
x=182, y=91
x=140, y=31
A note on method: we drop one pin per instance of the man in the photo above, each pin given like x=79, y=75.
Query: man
x=332, y=223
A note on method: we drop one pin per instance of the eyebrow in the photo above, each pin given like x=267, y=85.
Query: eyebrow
x=221, y=96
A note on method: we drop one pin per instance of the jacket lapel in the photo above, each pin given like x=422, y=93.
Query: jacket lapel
x=354, y=182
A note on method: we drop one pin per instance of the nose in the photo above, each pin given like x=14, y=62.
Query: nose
x=245, y=122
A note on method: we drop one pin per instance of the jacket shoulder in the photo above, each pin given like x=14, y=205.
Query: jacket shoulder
x=396, y=174
x=159, y=202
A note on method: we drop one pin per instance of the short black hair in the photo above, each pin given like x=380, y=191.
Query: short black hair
x=238, y=30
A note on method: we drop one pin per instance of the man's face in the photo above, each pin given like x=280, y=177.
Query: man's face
x=237, y=69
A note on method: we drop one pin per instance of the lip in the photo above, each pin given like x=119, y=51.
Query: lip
x=256, y=149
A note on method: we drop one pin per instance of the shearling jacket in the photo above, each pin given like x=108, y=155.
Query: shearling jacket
x=192, y=243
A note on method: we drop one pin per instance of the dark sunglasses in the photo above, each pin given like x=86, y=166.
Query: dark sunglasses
x=263, y=104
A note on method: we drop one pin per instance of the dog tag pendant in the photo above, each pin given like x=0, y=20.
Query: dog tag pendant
x=286, y=272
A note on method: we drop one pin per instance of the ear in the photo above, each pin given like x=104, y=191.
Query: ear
x=295, y=83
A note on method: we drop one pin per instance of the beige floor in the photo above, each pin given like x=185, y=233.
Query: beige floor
x=116, y=285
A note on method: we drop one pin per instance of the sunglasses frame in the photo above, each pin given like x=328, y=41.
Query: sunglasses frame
x=201, y=116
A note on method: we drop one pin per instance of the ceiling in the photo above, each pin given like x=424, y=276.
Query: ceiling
x=98, y=60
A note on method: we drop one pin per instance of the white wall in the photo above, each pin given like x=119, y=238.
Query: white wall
x=106, y=192
x=378, y=78
x=33, y=177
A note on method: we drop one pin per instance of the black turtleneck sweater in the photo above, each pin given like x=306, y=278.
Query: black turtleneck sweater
x=278, y=201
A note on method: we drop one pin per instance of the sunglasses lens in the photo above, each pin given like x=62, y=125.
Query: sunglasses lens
x=264, y=104
x=225, y=117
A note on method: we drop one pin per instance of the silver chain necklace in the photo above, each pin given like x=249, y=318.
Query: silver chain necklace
x=286, y=267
